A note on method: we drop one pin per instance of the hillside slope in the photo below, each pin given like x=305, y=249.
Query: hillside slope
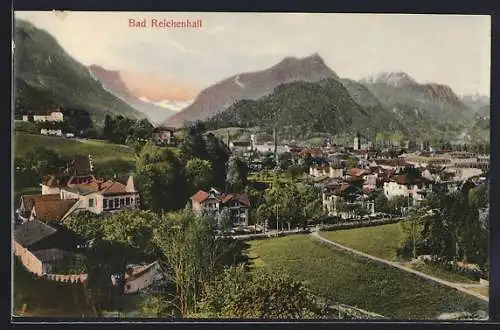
x=46, y=75
x=113, y=82
x=299, y=108
x=251, y=86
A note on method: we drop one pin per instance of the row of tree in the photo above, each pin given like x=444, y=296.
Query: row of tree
x=452, y=226
x=207, y=276
x=167, y=177
x=124, y=130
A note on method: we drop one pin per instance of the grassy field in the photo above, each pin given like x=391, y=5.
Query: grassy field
x=447, y=275
x=485, y=291
x=47, y=298
x=354, y=281
x=380, y=241
x=100, y=150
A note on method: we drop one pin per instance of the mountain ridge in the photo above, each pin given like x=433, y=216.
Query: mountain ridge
x=251, y=86
x=46, y=76
x=113, y=82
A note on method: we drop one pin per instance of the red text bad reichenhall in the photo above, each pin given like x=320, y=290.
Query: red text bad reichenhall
x=165, y=23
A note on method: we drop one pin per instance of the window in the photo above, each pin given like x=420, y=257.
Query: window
x=91, y=202
x=122, y=202
x=117, y=203
x=128, y=286
x=105, y=203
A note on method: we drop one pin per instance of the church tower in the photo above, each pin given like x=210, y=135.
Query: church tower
x=357, y=141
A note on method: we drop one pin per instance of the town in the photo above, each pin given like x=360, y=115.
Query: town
x=269, y=189
x=212, y=173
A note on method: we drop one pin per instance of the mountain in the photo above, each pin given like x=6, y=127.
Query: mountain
x=380, y=116
x=46, y=76
x=300, y=108
x=112, y=81
x=480, y=104
x=251, y=86
x=401, y=94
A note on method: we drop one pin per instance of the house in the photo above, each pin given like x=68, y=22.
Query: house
x=408, y=186
x=240, y=146
x=40, y=246
x=163, y=136
x=54, y=132
x=99, y=196
x=27, y=204
x=53, y=116
x=269, y=147
x=48, y=211
x=77, y=171
x=361, y=143
x=336, y=171
x=237, y=207
x=218, y=205
x=76, y=189
x=138, y=278
x=319, y=170
x=343, y=192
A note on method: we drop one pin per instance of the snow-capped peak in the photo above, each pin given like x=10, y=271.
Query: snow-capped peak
x=168, y=104
x=396, y=79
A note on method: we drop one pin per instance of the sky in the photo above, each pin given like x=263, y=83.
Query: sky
x=445, y=49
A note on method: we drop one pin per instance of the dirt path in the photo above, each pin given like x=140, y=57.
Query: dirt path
x=459, y=287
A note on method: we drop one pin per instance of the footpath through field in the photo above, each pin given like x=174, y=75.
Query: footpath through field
x=459, y=287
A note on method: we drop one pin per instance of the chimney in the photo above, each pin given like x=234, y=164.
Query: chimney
x=130, y=185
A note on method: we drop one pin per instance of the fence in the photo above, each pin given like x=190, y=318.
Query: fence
x=359, y=224
x=68, y=278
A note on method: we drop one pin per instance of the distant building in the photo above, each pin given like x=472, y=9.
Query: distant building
x=74, y=190
x=138, y=278
x=361, y=143
x=240, y=146
x=163, y=136
x=40, y=246
x=53, y=116
x=54, y=132
x=407, y=186
x=218, y=204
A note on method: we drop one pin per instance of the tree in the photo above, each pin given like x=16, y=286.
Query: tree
x=236, y=174
x=159, y=304
x=192, y=254
x=238, y=293
x=142, y=129
x=381, y=202
x=412, y=240
x=86, y=224
x=44, y=160
x=218, y=154
x=352, y=162
x=295, y=171
x=194, y=144
x=109, y=128
x=160, y=179
x=199, y=174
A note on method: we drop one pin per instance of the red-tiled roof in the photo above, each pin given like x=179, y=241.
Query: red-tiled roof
x=242, y=198
x=114, y=187
x=29, y=201
x=52, y=210
x=200, y=196
x=356, y=172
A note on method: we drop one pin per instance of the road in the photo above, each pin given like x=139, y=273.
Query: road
x=457, y=286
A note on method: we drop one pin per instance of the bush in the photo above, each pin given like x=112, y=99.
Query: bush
x=446, y=264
